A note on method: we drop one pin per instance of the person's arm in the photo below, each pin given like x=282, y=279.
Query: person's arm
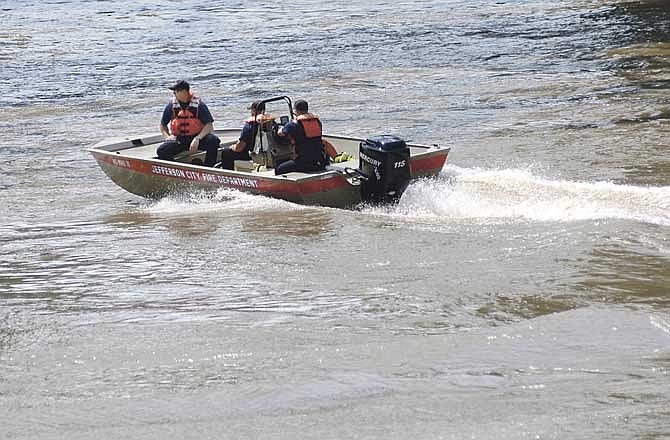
x=207, y=129
x=165, y=120
x=208, y=125
x=165, y=132
x=246, y=139
x=264, y=117
x=239, y=146
x=287, y=130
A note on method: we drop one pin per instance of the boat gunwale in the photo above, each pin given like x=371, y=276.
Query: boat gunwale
x=154, y=138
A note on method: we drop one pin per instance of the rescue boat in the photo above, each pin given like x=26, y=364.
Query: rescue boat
x=374, y=169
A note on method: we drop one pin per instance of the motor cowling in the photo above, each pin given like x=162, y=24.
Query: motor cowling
x=384, y=160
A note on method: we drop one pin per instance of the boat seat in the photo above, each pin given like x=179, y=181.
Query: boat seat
x=245, y=165
x=199, y=156
x=352, y=163
x=188, y=157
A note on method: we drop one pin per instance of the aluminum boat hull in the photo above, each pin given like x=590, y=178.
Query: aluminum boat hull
x=131, y=163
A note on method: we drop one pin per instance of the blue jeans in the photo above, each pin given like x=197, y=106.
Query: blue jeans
x=298, y=165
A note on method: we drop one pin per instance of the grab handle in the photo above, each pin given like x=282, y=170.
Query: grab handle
x=355, y=173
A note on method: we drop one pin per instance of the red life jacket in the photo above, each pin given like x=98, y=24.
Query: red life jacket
x=330, y=149
x=259, y=118
x=310, y=148
x=310, y=125
x=185, y=121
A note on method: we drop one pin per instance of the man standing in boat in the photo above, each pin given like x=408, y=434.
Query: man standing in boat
x=305, y=135
x=187, y=124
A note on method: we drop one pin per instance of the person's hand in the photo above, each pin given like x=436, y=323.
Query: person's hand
x=194, y=144
x=171, y=137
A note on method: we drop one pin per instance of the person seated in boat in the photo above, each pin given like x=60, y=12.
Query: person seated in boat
x=305, y=135
x=187, y=124
x=241, y=149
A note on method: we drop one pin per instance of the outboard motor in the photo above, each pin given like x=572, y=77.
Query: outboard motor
x=384, y=160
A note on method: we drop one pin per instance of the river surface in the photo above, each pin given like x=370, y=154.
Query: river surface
x=522, y=294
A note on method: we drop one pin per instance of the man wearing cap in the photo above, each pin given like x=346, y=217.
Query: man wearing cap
x=305, y=135
x=187, y=124
x=240, y=150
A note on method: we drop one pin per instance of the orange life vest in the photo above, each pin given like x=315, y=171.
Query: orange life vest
x=330, y=149
x=259, y=118
x=185, y=121
x=310, y=149
x=311, y=125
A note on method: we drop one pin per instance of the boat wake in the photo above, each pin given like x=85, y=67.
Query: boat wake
x=492, y=196
x=469, y=195
x=224, y=200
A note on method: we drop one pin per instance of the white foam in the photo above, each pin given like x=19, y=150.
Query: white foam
x=472, y=195
x=223, y=200
x=660, y=323
x=520, y=195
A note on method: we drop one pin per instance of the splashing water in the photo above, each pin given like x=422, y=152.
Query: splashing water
x=224, y=199
x=474, y=195
x=517, y=194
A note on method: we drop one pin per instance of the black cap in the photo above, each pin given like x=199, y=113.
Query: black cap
x=300, y=105
x=180, y=85
x=259, y=106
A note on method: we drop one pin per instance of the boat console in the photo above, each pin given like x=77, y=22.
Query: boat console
x=269, y=148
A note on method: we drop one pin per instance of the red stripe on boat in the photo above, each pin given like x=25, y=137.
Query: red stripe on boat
x=432, y=162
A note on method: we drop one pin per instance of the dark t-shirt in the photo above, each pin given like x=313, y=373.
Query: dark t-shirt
x=203, y=114
x=306, y=151
x=248, y=134
x=294, y=131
